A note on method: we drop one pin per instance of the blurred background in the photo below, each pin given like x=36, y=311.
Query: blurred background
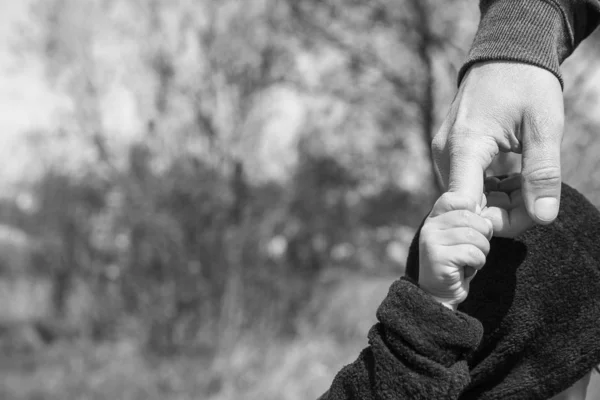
x=207, y=199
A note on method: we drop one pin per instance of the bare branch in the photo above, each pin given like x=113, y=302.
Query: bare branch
x=402, y=87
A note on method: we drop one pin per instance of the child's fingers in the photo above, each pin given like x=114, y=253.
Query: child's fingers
x=463, y=235
x=516, y=198
x=463, y=219
x=498, y=199
x=466, y=254
x=508, y=222
x=505, y=200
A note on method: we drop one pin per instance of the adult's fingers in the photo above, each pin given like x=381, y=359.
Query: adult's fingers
x=469, y=156
x=541, y=168
x=461, y=155
x=508, y=222
x=507, y=213
x=510, y=183
x=516, y=198
x=452, y=202
x=490, y=183
x=499, y=199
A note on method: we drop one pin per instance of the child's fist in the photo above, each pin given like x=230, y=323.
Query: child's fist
x=453, y=245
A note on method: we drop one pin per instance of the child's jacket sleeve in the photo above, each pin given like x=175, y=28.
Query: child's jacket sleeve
x=416, y=351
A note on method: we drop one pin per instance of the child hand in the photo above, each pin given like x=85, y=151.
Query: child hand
x=505, y=206
x=453, y=245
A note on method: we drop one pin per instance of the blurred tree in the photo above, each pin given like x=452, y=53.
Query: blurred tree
x=158, y=187
x=398, y=54
x=184, y=215
x=64, y=218
x=198, y=71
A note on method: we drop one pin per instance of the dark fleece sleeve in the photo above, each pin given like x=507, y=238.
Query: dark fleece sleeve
x=416, y=351
x=538, y=32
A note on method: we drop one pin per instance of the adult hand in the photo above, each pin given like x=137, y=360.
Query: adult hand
x=508, y=107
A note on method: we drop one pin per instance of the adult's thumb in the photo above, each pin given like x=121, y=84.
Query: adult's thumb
x=541, y=173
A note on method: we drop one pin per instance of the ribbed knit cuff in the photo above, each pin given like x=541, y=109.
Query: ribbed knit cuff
x=535, y=32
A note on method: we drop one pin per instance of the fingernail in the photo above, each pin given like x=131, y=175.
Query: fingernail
x=477, y=209
x=546, y=208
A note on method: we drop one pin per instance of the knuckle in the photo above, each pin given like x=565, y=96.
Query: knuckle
x=460, y=143
x=472, y=251
x=447, y=197
x=463, y=129
x=470, y=234
x=468, y=203
x=477, y=256
x=454, y=201
x=464, y=133
x=482, y=259
x=473, y=139
x=548, y=175
x=447, y=277
x=545, y=124
x=424, y=238
x=465, y=217
x=447, y=201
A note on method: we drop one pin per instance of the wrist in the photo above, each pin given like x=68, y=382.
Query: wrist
x=533, y=32
x=451, y=304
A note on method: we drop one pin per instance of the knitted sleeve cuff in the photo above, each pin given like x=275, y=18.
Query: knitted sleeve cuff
x=535, y=32
x=412, y=322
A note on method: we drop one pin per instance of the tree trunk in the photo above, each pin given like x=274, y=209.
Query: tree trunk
x=232, y=305
x=62, y=278
x=427, y=103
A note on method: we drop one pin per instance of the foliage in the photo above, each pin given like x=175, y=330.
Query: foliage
x=216, y=162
